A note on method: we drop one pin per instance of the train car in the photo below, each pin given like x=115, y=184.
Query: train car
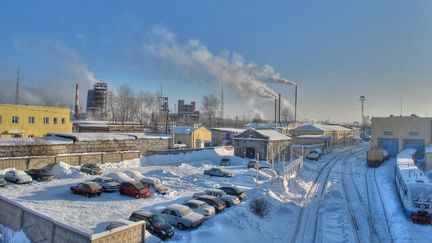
x=414, y=188
x=375, y=157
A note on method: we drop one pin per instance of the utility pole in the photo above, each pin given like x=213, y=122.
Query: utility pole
x=362, y=100
x=222, y=105
x=236, y=119
x=17, y=88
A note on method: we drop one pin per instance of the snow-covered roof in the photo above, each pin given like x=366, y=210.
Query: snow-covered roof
x=31, y=141
x=183, y=130
x=82, y=136
x=320, y=127
x=313, y=136
x=273, y=134
x=227, y=129
x=257, y=125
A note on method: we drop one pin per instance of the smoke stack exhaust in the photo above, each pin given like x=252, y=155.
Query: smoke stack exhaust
x=77, y=102
x=279, y=113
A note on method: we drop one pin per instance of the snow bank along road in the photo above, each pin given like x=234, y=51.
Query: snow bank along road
x=335, y=199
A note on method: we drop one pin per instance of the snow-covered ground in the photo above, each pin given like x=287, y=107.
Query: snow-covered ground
x=316, y=194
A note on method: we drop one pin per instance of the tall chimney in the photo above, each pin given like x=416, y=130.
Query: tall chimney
x=17, y=89
x=275, y=111
x=295, y=106
x=279, y=113
x=77, y=102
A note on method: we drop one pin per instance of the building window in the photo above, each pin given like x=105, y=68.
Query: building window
x=46, y=120
x=31, y=136
x=55, y=120
x=414, y=134
x=31, y=120
x=388, y=133
x=15, y=119
x=63, y=121
x=1, y=119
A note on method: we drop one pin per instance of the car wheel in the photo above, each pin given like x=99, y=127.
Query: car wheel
x=17, y=181
x=87, y=195
x=137, y=196
x=228, y=205
x=73, y=191
x=99, y=194
x=181, y=226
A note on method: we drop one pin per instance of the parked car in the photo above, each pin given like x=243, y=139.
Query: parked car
x=213, y=201
x=119, y=177
x=225, y=161
x=218, y=172
x=182, y=217
x=135, y=189
x=234, y=191
x=228, y=199
x=156, y=224
x=40, y=174
x=2, y=181
x=313, y=156
x=87, y=188
x=201, y=207
x=117, y=223
x=17, y=176
x=92, y=169
x=155, y=185
x=134, y=174
x=108, y=184
x=254, y=164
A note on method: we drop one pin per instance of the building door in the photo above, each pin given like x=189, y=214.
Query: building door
x=391, y=145
x=418, y=144
x=250, y=152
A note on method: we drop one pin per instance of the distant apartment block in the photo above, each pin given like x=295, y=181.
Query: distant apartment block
x=186, y=111
x=23, y=121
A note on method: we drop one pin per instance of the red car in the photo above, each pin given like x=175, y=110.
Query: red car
x=134, y=189
x=87, y=188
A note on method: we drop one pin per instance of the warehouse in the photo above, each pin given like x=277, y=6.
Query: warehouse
x=396, y=133
x=269, y=144
x=224, y=136
x=334, y=136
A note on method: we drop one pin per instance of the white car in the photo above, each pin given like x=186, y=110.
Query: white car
x=134, y=175
x=108, y=184
x=182, y=216
x=17, y=176
x=119, y=177
x=228, y=199
x=201, y=207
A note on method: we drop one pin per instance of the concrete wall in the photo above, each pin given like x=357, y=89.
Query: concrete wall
x=142, y=145
x=26, y=163
x=41, y=229
x=400, y=128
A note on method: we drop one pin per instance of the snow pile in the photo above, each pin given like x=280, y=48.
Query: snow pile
x=62, y=170
x=10, y=236
x=133, y=163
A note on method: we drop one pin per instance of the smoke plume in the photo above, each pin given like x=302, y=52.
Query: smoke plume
x=56, y=85
x=246, y=79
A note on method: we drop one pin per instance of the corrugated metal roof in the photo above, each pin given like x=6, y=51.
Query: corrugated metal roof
x=320, y=127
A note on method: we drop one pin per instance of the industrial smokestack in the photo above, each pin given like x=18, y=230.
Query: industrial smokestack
x=17, y=89
x=77, y=102
x=279, y=113
x=275, y=111
x=295, y=106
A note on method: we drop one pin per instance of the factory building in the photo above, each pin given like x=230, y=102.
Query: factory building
x=193, y=137
x=396, y=133
x=97, y=100
x=334, y=136
x=268, y=144
x=23, y=121
x=186, y=112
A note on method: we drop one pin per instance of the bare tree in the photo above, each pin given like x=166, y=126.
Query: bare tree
x=210, y=104
x=126, y=104
x=112, y=105
x=286, y=115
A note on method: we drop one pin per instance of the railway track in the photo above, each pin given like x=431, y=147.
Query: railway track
x=377, y=222
x=316, y=191
x=359, y=214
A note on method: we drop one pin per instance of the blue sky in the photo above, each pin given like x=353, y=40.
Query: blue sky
x=335, y=50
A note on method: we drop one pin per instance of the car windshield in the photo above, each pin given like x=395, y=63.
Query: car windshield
x=157, y=220
x=139, y=186
x=205, y=206
x=108, y=180
x=185, y=211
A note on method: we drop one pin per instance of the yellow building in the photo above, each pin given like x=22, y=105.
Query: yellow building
x=193, y=137
x=24, y=121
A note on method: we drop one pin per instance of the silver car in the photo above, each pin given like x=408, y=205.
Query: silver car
x=17, y=176
x=201, y=207
x=182, y=216
x=228, y=199
x=108, y=184
x=155, y=185
x=2, y=181
x=218, y=172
